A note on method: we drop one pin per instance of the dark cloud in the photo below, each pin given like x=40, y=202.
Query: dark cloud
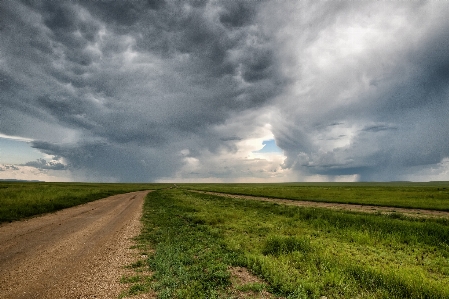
x=134, y=74
x=44, y=164
x=237, y=13
x=378, y=128
x=122, y=14
x=140, y=90
x=231, y=138
x=9, y=167
x=112, y=162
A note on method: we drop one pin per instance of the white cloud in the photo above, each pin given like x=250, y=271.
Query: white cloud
x=240, y=162
x=17, y=138
x=355, y=66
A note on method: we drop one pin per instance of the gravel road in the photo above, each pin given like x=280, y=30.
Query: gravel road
x=74, y=253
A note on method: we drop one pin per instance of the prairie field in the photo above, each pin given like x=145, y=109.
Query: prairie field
x=192, y=243
x=431, y=195
x=192, y=240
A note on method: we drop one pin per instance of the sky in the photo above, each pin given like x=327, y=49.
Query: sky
x=224, y=91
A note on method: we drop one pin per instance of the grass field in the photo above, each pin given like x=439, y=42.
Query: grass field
x=19, y=200
x=191, y=240
x=432, y=195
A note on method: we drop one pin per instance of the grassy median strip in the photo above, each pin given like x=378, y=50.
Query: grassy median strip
x=299, y=252
x=190, y=259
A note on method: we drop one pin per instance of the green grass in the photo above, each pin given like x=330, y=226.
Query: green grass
x=19, y=200
x=191, y=239
x=433, y=195
x=190, y=259
x=298, y=252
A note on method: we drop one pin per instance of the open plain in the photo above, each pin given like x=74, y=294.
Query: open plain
x=296, y=240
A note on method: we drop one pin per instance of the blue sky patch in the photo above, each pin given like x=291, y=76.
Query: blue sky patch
x=17, y=152
x=269, y=147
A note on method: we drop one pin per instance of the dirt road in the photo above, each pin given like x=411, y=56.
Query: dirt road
x=74, y=253
x=341, y=206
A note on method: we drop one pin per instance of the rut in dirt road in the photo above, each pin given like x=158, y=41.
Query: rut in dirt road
x=75, y=253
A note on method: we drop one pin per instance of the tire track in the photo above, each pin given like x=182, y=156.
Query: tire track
x=409, y=212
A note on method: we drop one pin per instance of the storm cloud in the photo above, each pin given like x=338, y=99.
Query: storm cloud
x=168, y=90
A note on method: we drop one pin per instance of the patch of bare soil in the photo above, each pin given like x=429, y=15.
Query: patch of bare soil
x=341, y=206
x=78, y=252
x=247, y=285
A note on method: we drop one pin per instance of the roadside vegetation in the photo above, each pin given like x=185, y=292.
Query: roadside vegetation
x=19, y=200
x=432, y=195
x=191, y=240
